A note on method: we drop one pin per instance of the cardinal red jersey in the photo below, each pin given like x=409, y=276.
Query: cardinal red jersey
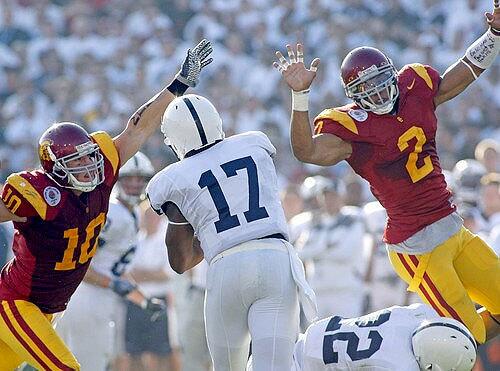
x=53, y=249
x=396, y=154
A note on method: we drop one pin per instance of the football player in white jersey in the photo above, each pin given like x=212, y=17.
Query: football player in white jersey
x=384, y=287
x=408, y=338
x=222, y=203
x=93, y=323
x=331, y=247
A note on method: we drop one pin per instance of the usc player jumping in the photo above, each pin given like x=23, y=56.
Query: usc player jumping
x=387, y=135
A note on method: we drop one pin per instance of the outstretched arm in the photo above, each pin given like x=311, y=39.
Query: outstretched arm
x=478, y=57
x=147, y=118
x=184, y=251
x=323, y=149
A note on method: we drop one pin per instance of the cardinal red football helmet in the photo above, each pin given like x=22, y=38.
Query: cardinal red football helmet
x=61, y=146
x=370, y=79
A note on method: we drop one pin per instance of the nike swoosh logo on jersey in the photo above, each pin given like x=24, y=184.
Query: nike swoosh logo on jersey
x=409, y=87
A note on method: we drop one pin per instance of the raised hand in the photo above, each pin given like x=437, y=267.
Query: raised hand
x=294, y=72
x=493, y=19
x=196, y=59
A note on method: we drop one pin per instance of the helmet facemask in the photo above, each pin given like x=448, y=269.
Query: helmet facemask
x=66, y=175
x=133, y=178
x=131, y=198
x=375, y=90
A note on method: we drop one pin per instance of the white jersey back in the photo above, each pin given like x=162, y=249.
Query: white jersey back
x=228, y=192
x=117, y=241
x=378, y=341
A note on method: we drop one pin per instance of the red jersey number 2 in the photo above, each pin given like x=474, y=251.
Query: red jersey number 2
x=69, y=260
x=416, y=173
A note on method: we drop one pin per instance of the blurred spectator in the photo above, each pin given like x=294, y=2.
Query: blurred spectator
x=487, y=153
x=292, y=201
x=467, y=174
x=490, y=207
x=6, y=235
x=196, y=356
x=92, y=61
x=9, y=32
x=383, y=286
x=332, y=248
x=152, y=346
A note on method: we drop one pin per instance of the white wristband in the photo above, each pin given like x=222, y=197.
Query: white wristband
x=176, y=223
x=300, y=100
x=483, y=51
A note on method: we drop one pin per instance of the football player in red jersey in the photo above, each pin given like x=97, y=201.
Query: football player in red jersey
x=387, y=135
x=58, y=212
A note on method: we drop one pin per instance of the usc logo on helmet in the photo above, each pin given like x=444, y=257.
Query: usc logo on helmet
x=44, y=150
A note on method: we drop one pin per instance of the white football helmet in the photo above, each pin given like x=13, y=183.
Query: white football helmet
x=444, y=344
x=190, y=123
x=468, y=174
x=375, y=217
x=139, y=165
x=317, y=184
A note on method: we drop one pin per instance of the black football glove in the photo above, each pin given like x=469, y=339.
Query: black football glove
x=157, y=308
x=122, y=287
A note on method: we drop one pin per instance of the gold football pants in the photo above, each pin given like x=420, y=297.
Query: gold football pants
x=458, y=273
x=27, y=335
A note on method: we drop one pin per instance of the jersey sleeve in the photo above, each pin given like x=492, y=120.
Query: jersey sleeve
x=159, y=192
x=22, y=198
x=111, y=156
x=420, y=79
x=338, y=123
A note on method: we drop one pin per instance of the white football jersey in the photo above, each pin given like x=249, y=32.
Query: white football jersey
x=228, y=192
x=117, y=241
x=378, y=341
x=335, y=244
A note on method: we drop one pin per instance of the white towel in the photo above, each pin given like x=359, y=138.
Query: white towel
x=307, y=297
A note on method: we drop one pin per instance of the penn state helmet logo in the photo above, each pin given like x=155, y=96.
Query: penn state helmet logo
x=52, y=195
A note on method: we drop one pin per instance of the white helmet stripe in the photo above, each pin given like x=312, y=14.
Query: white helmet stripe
x=197, y=121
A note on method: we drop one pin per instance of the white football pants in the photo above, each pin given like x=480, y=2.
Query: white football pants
x=93, y=326
x=195, y=355
x=251, y=294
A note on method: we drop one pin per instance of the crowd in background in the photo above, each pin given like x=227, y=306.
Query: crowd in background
x=94, y=62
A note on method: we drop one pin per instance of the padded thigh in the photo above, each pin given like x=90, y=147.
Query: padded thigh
x=251, y=292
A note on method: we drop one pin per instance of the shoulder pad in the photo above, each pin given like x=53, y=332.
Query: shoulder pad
x=421, y=71
x=158, y=189
x=108, y=148
x=339, y=117
x=35, y=189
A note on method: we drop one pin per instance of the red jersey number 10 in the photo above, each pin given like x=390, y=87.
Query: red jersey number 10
x=69, y=260
x=416, y=173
